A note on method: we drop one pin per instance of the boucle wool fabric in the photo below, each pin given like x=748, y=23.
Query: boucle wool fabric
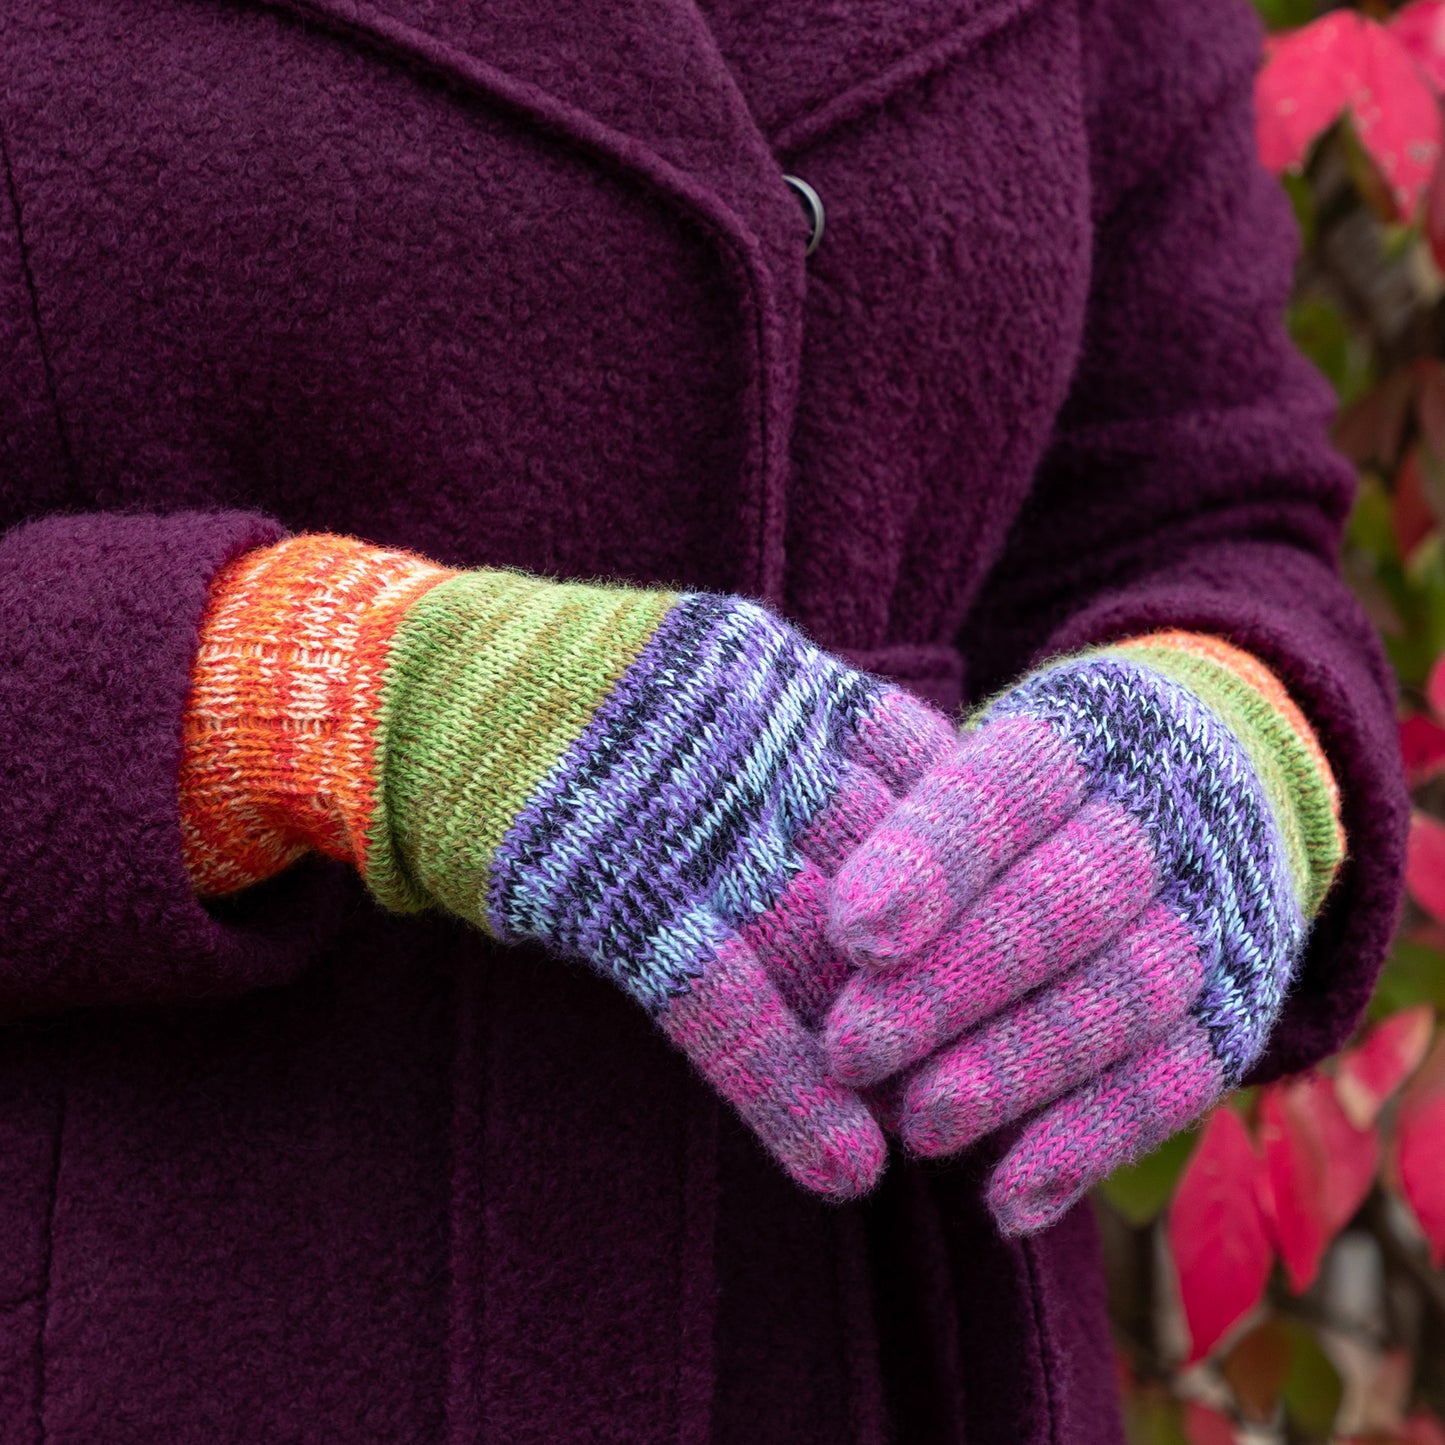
x=1108, y=892
x=521, y=285
x=659, y=785
x=653, y=783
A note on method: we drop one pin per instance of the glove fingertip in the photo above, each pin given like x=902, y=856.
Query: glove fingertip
x=1026, y=1195
x=846, y=1164
x=942, y=1115
x=862, y=1041
x=889, y=899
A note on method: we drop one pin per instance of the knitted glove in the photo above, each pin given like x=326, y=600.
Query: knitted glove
x=656, y=784
x=1096, y=907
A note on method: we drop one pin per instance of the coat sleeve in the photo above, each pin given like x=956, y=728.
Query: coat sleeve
x=100, y=618
x=99, y=625
x=1190, y=481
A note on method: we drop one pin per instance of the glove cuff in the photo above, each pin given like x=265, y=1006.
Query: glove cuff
x=1275, y=735
x=282, y=725
x=389, y=712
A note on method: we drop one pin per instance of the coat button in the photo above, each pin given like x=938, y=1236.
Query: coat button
x=813, y=206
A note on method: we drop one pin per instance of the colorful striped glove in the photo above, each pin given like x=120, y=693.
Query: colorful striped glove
x=1093, y=911
x=657, y=784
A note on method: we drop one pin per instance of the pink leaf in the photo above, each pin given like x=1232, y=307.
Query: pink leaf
x=1217, y=1233
x=1425, y=865
x=1420, y=28
x=1345, y=60
x=1419, y=1161
x=1435, y=687
x=1320, y=1169
x=1369, y=1073
x=1203, y=1426
x=1422, y=745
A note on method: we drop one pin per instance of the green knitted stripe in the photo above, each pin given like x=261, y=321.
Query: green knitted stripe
x=491, y=677
x=1297, y=792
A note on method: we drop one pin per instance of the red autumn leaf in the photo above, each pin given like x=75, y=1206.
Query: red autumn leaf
x=1420, y=28
x=1320, y=1169
x=1203, y=1426
x=1419, y=1162
x=1372, y=427
x=1425, y=865
x=1369, y=1073
x=1217, y=1232
x=1345, y=60
x=1410, y=514
x=1422, y=745
x=1435, y=687
x=1422, y=1428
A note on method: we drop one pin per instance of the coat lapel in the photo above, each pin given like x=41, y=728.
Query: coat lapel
x=643, y=89
x=646, y=87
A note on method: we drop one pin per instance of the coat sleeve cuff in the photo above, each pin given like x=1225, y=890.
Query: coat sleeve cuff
x=100, y=619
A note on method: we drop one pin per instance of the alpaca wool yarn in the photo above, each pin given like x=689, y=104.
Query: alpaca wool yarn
x=1106, y=891
x=649, y=782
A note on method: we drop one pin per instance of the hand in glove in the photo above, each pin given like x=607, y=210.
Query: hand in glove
x=1093, y=911
x=656, y=784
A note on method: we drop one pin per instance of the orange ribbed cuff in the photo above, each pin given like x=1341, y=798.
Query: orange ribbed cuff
x=280, y=730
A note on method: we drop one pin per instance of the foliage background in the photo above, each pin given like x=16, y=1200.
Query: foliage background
x=1275, y=1274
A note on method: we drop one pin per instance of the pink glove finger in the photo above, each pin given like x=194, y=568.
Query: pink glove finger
x=1112, y=1120
x=735, y=1027
x=894, y=743
x=1124, y=999
x=997, y=793
x=900, y=738
x=1060, y=902
x=791, y=937
x=791, y=942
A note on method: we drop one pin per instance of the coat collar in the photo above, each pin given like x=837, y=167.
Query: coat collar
x=643, y=87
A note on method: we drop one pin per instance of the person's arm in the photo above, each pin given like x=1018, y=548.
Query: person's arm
x=1190, y=482
x=100, y=617
x=656, y=784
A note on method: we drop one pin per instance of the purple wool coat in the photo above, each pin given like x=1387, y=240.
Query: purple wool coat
x=523, y=284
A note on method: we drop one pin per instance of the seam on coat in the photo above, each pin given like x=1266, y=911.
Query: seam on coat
x=695, y=1375
x=870, y=94
x=71, y=473
x=47, y=1254
x=1041, y=1333
x=463, y=1407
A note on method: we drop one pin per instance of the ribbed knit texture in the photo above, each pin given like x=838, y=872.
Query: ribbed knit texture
x=493, y=678
x=1106, y=892
x=659, y=785
x=1090, y=904
x=1281, y=746
x=281, y=733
